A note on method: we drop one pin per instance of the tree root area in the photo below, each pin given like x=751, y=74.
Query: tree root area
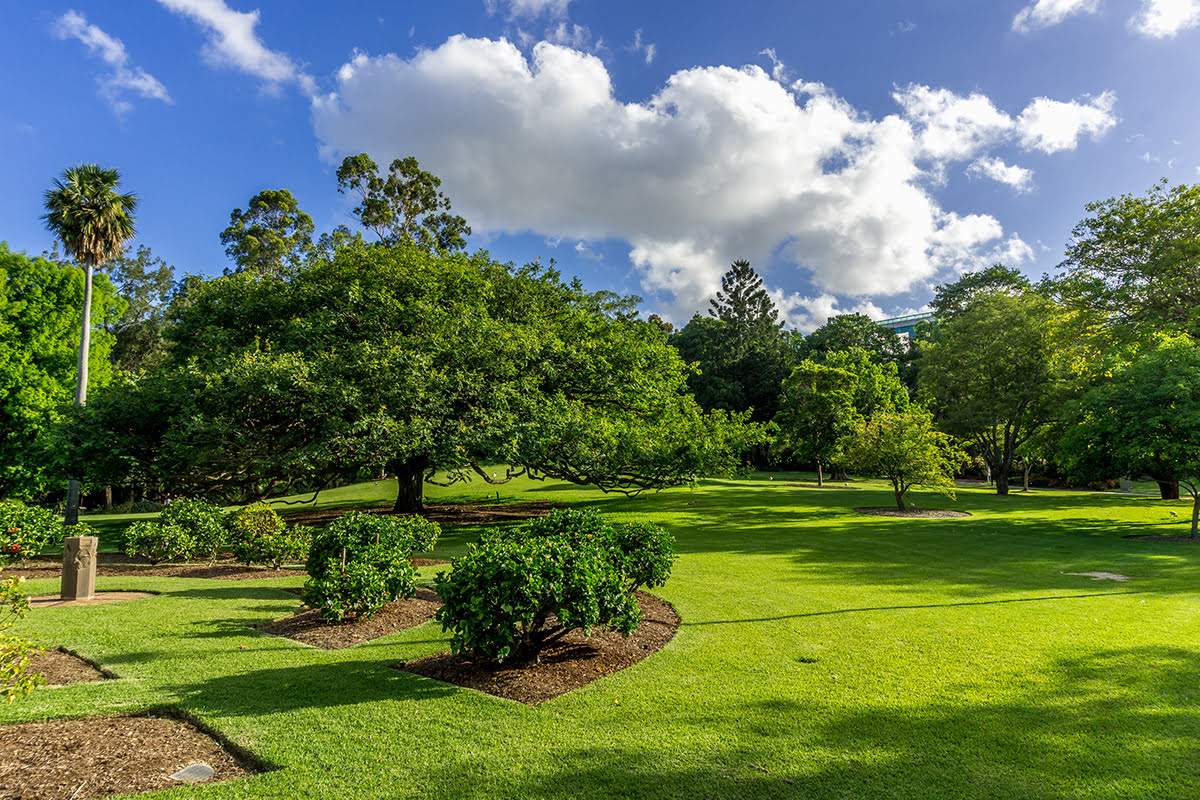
x=573, y=661
x=487, y=512
x=912, y=513
x=399, y=615
x=105, y=756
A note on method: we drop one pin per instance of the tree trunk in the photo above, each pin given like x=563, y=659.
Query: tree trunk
x=410, y=475
x=1169, y=490
x=820, y=475
x=900, y=500
x=108, y=498
x=1195, y=512
x=1027, y=467
x=85, y=338
x=1001, y=477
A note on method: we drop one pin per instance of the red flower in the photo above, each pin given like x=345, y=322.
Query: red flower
x=12, y=548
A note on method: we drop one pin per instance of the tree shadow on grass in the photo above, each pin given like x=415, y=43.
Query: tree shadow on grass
x=314, y=685
x=1116, y=723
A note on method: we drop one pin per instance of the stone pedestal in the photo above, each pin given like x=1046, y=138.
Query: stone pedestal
x=79, y=567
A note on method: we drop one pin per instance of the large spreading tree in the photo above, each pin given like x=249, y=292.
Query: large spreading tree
x=1144, y=419
x=995, y=375
x=85, y=212
x=431, y=366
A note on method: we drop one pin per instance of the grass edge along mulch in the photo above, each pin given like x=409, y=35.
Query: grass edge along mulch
x=59, y=666
x=113, y=754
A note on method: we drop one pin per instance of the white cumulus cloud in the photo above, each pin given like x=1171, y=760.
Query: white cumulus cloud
x=1162, y=19
x=529, y=8
x=1019, y=178
x=233, y=42
x=721, y=163
x=1051, y=125
x=122, y=77
x=952, y=127
x=1045, y=13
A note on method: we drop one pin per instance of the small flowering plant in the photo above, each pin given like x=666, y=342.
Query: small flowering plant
x=25, y=530
x=15, y=652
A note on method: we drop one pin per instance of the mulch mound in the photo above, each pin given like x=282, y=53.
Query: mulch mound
x=571, y=662
x=308, y=627
x=915, y=513
x=104, y=756
x=60, y=667
x=823, y=486
x=481, y=513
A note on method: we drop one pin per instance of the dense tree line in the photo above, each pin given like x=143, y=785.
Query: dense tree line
x=311, y=362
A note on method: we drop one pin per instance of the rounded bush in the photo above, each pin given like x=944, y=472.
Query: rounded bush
x=360, y=562
x=157, y=542
x=515, y=591
x=202, y=521
x=26, y=530
x=258, y=535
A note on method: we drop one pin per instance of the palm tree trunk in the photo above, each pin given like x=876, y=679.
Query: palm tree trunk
x=85, y=338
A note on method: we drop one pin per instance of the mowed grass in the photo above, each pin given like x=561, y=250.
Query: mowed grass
x=823, y=654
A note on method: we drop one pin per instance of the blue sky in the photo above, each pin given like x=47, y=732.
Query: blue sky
x=857, y=153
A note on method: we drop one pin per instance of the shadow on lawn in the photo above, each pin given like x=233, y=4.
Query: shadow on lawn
x=284, y=689
x=1116, y=723
x=801, y=615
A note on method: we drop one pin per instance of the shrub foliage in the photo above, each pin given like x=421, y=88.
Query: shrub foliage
x=201, y=521
x=360, y=562
x=258, y=535
x=26, y=530
x=513, y=593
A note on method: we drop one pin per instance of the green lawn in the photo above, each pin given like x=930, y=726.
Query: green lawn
x=823, y=655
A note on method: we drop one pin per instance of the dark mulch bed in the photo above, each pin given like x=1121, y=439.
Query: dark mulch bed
x=571, y=662
x=104, y=756
x=1150, y=537
x=915, y=513
x=824, y=486
x=481, y=513
x=118, y=564
x=60, y=667
x=308, y=627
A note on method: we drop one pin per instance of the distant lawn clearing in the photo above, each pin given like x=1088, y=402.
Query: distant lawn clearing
x=823, y=654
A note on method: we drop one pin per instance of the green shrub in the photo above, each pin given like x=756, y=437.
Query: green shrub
x=15, y=652
x=202, y=521
x=26, y=530
x=157, y=542
x=514, y=592
x=258, y=535
x=360, y=562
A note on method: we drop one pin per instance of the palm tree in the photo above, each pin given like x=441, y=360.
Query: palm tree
x=93, y=222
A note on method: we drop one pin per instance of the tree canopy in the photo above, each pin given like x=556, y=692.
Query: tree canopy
x=741, y=353
x=404, y=206
x=995, y=375
x=431, y=366
x=951, y=299
x=855, y=331
x=39, y=319
x=906, y=449
x=1145, y=419
x=272, y=234
x=1133, y=265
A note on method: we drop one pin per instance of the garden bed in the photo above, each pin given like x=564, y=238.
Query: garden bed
x=104, y=756
x=120, y=565
x=398, y=615
x=914, y=513
x=571, y=662
x=61, y=667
